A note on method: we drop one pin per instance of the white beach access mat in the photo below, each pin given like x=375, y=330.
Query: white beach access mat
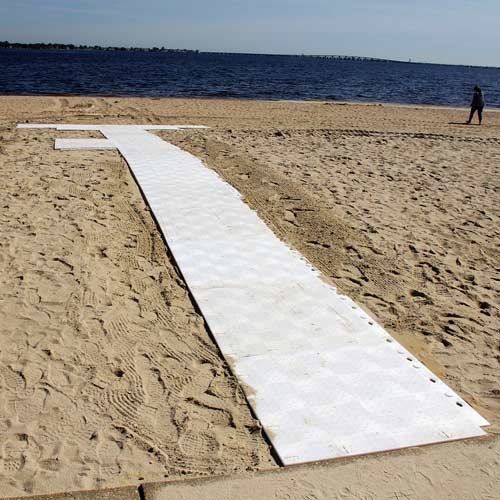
x=322, y=376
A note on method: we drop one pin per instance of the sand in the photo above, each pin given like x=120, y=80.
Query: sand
x=108, y=376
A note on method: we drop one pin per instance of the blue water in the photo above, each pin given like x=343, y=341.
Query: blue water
x=36, y=72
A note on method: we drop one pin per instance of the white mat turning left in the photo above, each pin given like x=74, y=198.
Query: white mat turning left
x=323, y=377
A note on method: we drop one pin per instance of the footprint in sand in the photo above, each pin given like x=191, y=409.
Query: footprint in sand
x=13, y=454
x=199, y=445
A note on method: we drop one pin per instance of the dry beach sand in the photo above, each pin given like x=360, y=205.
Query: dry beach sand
x=108, y=375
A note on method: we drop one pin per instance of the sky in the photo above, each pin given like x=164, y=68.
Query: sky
x=441, y=31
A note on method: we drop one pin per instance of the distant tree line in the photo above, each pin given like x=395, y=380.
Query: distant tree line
x=70, y=46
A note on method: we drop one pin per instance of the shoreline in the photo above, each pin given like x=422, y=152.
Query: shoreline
x=250, y=100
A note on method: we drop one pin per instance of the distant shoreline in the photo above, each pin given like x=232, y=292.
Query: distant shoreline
x=72, y=47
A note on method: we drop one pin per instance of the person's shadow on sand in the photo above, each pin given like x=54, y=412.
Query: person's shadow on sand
x=474, y=124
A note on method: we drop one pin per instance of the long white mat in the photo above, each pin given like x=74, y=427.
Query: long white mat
x=322, y=376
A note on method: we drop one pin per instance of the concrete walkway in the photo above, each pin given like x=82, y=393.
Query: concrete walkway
x=469, y=472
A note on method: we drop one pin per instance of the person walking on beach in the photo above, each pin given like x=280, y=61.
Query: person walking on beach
x=477, y=104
